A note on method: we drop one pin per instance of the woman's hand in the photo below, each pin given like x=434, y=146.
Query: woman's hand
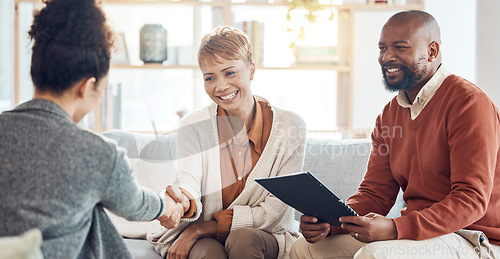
x=371, y=227
x=176, y=194
x=171, y=220
x=182, y=245
x=176, y=204
x=312, y=230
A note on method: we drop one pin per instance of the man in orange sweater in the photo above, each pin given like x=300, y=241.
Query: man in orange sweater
x=438, y=140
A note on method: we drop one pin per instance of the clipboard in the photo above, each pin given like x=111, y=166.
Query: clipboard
x=307, y=194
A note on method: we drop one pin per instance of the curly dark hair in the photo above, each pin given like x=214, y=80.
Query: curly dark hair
x=72, y=41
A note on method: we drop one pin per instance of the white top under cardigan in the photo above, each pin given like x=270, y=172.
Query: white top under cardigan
x=198, y=171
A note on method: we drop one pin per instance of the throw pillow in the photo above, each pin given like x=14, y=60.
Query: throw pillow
x=25, y=246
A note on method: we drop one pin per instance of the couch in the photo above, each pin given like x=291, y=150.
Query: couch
x=339, y=164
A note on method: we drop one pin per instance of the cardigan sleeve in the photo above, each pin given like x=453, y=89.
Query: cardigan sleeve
x=189, y=165
x=271, y=213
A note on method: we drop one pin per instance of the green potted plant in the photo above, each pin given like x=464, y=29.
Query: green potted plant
x=312, y=8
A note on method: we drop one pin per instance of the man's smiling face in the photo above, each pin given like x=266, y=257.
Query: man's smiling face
x=403, y=56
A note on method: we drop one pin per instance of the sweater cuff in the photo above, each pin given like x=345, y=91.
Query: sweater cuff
x=337, y=230
x=224, y=219
x=242, y=217
x=162, y=207
x=403, y=228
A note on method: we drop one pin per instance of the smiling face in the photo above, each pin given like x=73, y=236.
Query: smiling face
x=404, y=55
x=227, y=82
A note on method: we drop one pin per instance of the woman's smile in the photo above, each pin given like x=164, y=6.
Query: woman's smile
x=229, y=97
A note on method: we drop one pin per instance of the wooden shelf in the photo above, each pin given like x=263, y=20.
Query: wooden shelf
x=144, y=2
x=166, y=2
x=154, y=66
x=367, y=6
x=339, y=68
x=379, y=7
x=345, y=7
x=225, y=9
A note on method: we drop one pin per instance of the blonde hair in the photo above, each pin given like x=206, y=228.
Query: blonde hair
x=224, y=42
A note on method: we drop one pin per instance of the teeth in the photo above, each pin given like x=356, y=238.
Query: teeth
x=392, y=70
x=230, y=96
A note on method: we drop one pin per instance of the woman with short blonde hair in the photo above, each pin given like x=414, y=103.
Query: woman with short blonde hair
x=221, y=149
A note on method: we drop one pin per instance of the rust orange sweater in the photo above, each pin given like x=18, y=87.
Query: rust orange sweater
x=445, y=161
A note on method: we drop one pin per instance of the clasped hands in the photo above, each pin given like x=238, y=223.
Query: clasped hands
x=369, y=228
x=175, y=204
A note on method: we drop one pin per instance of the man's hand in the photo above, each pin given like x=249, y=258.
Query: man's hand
x=312, y=230
x=176, y=204
x=369, y=228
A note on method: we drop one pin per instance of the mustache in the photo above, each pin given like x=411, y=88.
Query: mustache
x=392, y=65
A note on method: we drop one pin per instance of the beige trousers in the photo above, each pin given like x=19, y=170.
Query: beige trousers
x=345, y=246
x=241, y=243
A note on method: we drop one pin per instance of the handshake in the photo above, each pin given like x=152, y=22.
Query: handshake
x=175, y=204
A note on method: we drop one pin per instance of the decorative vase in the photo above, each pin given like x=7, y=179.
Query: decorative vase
x=153, y=43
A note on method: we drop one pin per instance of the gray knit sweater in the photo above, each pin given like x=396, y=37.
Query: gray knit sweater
x=57, y=177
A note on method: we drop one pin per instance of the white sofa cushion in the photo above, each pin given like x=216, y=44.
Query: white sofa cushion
x=339, y=164
x=25, y=246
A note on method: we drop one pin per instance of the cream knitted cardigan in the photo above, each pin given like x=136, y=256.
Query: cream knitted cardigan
x=198, y=171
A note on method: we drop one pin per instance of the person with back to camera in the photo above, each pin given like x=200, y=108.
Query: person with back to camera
x=445, y=158
x=54, y=176
x=221, y=149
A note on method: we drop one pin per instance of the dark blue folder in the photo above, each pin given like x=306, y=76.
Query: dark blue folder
x=304, y=192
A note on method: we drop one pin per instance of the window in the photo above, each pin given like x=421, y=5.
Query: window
x=7, y=60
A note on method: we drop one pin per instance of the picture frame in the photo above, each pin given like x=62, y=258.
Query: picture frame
x=119, y=55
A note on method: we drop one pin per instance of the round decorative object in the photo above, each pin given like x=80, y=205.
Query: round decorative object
x=153, y=43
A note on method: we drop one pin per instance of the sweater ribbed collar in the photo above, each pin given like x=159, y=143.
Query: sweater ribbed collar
x=425, y=94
